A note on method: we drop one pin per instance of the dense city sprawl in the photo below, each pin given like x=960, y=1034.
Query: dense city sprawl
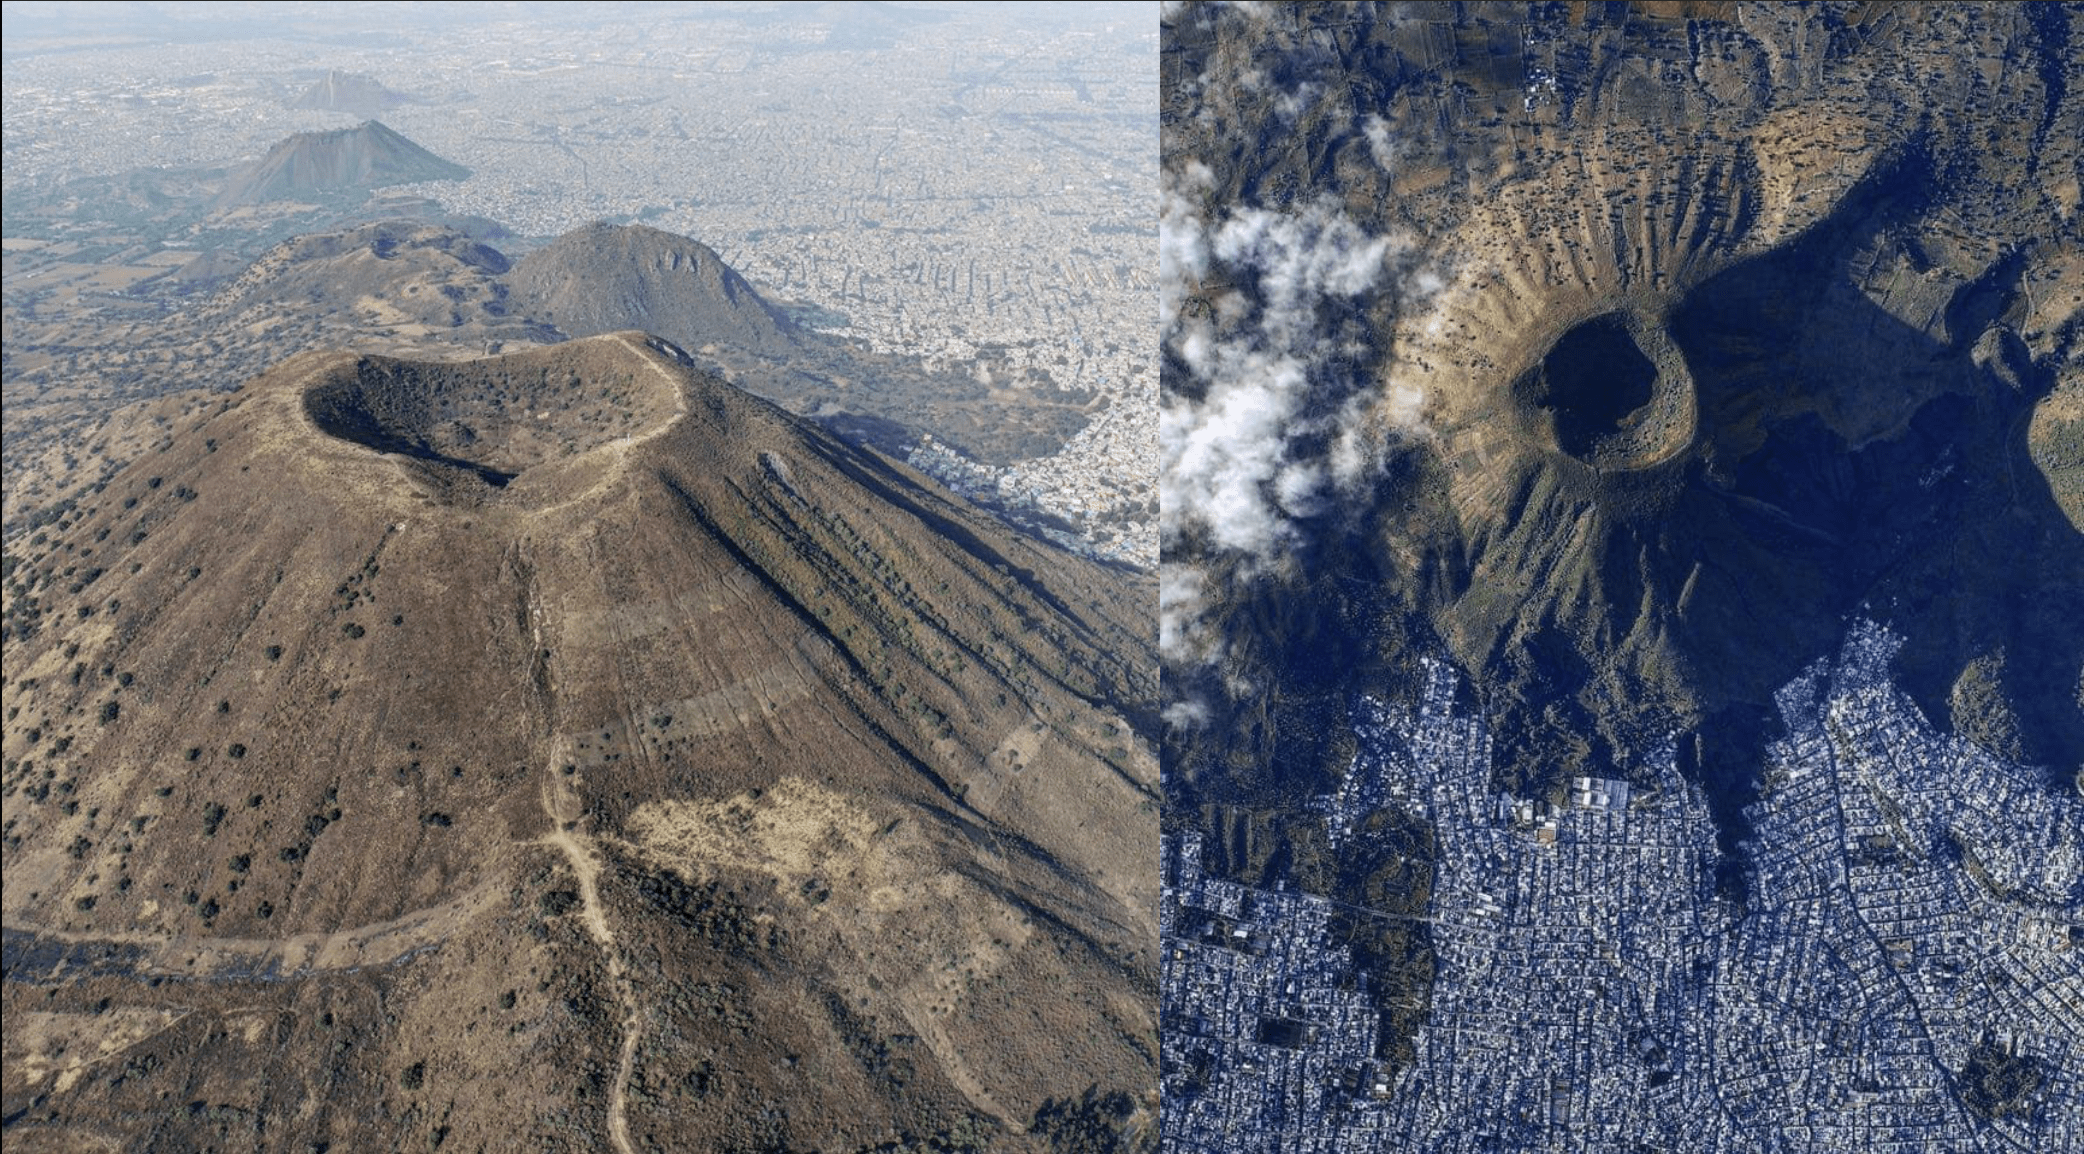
x=1899, y=972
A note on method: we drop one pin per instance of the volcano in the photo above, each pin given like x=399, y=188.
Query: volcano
x=352, y=92
x=1692, y=335
x=342, y=160
x=1705, y=377
x=567, y=748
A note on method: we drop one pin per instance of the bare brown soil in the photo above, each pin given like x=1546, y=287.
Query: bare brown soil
x=565, y=750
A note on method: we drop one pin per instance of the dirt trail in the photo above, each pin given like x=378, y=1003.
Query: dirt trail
x=561, y=802
x=379, y=943
x=357, y=947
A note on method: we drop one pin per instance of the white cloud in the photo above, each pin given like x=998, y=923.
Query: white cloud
x=1277, y=418
x=1216, y=458
x=1380, y=145
x=1300, y=258
x=1229, y=462
x=1290, y=105
x=1186, y=713
x=1259, y=10
x=1355, y=453
x=1182, y=243
x=1180, y=603
x=1299, y=486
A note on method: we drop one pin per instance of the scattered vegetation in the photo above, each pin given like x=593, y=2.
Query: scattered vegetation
x=1997, y=1081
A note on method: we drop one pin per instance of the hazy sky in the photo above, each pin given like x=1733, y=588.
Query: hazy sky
x=39, y=26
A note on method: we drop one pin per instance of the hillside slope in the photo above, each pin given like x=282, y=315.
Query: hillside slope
x=566, y=748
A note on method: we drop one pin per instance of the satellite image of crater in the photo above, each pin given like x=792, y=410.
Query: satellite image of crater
x=1623, y=587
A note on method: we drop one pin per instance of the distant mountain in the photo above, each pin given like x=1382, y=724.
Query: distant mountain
x=568, y=750
x=351, y=92
x=345, y=159
x=605, y=278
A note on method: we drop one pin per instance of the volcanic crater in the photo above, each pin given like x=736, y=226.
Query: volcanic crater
x=474, y=427
x=1613, y=392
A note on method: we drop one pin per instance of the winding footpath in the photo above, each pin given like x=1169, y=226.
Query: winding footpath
x=561, y=802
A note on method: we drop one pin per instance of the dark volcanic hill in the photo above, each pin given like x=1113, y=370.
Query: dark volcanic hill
x=339, y=91
x=566, y=750
x=344, y=159
x=604, y=278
